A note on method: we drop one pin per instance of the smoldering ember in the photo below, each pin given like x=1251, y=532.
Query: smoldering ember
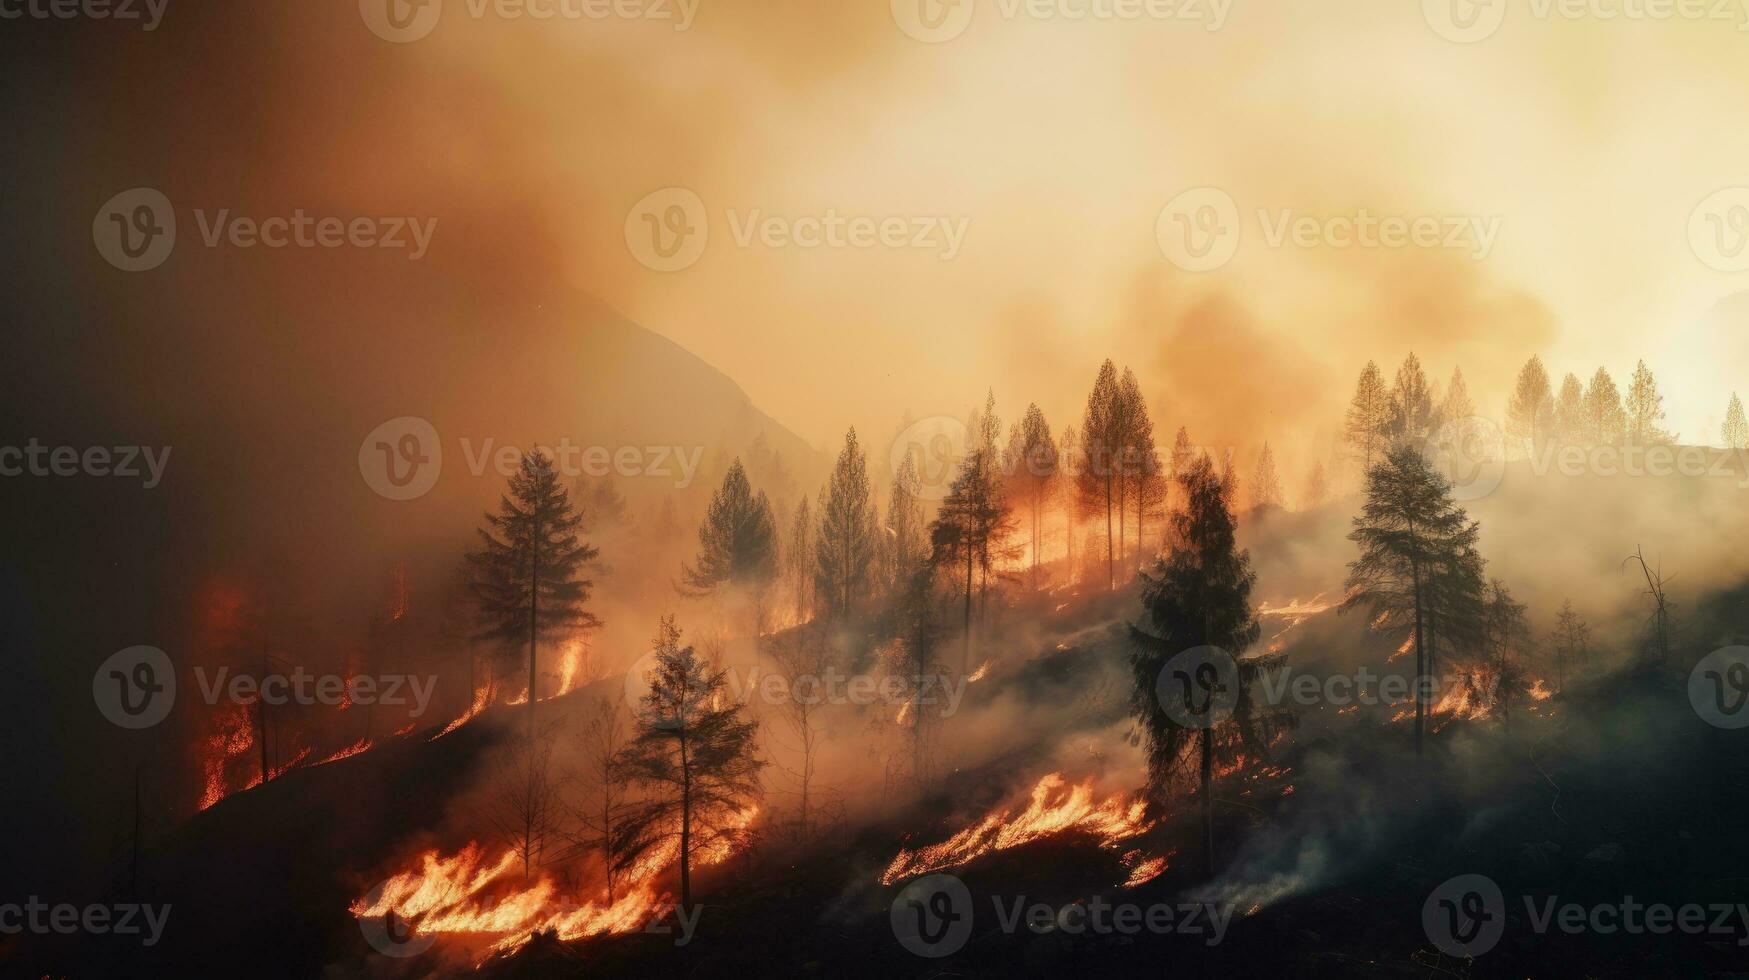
x=882, y=488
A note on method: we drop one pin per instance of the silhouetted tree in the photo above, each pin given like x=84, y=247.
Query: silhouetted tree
x=1604, y=418
x=1031, y=462
x=692, y=753
x=1643, y=409
x=799, y=559
x=737, y=541
x=1411, y=418
x=1266, y=485
x=1141, y=460
x=1369, y=415
x=971, y=518
x=1457, y=404
x=1408, y=530
x=1571, y=642
x=1198, y=594
x=1530, y=410
x=1506, y=638
x=525, y=576
x=907, y=535
x=1736, y=429
x=844, y=549
x=1570, y=411
x=1099, y=480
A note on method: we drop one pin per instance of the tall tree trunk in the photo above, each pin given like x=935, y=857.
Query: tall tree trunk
x=533, y=626
x=966, y=656
x=1110, y=560
x=1420, y=645
x=685, y=815
x=1208, y=797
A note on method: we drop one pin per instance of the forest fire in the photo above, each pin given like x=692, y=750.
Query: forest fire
x=1055, y=806
x=467, y=894
x=233, y=738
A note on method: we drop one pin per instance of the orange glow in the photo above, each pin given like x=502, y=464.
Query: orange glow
x=1055, y=807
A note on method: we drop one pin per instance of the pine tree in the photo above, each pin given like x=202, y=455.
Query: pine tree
x=692, y=753
x=1411, y=418
x=525, y=577
x=1415, y=544
x=1570, y=411
x=1099, y=480
x=845, y=547
x=1198, y=595
x=1604, y=419
x=1266, y=485
x=1069, y=495
x=907, y=534
x=1735, y=429
x=965, y=536
x=1506, y=632
x=1457, y=404
x=1642, y=409
x=1530, y=411
x=1031, y=465
x=1141, y=460
x=1368, y=417
x=737, y=540
x=799, y=559
x=1571, y=642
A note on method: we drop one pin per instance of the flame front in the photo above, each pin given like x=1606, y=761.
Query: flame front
x=1055, y=807
x=468, y=894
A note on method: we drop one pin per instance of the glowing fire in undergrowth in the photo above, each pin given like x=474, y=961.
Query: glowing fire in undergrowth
x=467, y=893
x=233, y=737
x=1055, y=807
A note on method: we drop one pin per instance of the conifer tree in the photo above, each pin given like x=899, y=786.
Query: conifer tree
x=1736, y=428
x=694, y=756
x=1031, y=464
x=737, y=540
x=1530, y=410
x=524, y=578
x=1643, y=409
x=1368, y=417
x=1098, y=481
x=844, y=549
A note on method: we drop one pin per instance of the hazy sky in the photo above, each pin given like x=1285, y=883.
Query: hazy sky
x=1058, y=142
x=1581, y=145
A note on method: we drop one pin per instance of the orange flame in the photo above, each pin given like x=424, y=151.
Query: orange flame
x=233, y=738
x=1055, y=807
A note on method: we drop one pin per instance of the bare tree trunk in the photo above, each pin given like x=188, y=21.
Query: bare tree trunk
x=685, y=819
x=1208, y=797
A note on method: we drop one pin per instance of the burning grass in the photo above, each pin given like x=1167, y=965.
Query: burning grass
x=1055, y=806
